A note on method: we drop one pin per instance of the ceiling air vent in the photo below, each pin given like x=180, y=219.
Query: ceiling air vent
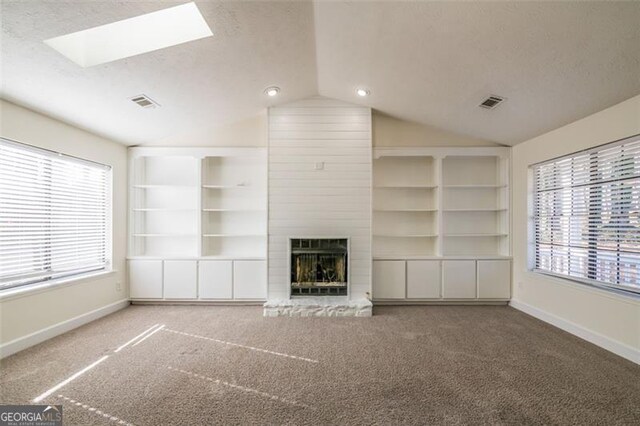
x=144, y=101
x=491, y=102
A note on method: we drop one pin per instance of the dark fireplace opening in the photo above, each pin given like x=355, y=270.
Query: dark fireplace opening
x=319, y=266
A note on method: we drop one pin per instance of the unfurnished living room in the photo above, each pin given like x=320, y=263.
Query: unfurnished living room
x=319, y=212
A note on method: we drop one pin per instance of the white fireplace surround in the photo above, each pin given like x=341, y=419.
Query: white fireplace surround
x=319, y=305
x=320, y=157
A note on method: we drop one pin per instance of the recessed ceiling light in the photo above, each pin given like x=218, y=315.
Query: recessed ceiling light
x=133, y=36
x=362, y=92
x=272, y=91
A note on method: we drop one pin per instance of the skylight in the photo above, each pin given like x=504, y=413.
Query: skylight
x=133, y=36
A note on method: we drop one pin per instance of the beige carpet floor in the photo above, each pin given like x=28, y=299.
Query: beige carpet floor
x=406, y=365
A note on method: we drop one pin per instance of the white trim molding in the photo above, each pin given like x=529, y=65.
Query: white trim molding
x=618, y=348
x=47, y=333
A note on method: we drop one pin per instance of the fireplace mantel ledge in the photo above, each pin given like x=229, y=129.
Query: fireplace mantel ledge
x=318, y=306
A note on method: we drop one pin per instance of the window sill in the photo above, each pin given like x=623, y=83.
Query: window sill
x=619, y=295
x=31, y=289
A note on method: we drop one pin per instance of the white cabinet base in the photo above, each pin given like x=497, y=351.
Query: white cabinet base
x=250, y=279
x=423, y=279
x=197, y=281
x=459, y=279
x=180, y=279
x=215, y=279
x=389, y=279
x=494, y=279
x=145, y=279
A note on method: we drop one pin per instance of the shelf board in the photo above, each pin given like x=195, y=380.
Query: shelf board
x=224, y=186
x=231, y=257
x=476, y=235
x=406, y=235
x=475, y=210
x=165, y=235
x=164, y=210
x=405, y=186
x=164, y=186
x=232, y=235
x=490, y=186
x=189, y=257
x=423, y=256
x=234, y=210
x=405, y=210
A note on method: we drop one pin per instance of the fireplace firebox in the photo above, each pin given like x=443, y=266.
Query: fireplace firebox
x=319, y=266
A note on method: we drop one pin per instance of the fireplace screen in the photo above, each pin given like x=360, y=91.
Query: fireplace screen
x=319, y=266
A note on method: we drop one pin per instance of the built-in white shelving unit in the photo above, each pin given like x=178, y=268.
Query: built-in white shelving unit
x=234, y=202
x=475, y=202
x=164, y=205
x=439, y=205
x=197, y=205
x=405, y=205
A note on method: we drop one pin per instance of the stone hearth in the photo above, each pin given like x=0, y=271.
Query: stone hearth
x=318, y=306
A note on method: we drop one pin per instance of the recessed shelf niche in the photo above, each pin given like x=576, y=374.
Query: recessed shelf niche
x=198, y=203
x=405, y=203
x=164, y=204
x=475, y=218
x=440, y=202
x=234, y=220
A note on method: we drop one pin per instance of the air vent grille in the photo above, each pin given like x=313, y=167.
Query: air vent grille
x=144, y=101
x=491, y=102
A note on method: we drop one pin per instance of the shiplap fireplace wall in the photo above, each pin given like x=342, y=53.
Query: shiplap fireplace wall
x=319, y=185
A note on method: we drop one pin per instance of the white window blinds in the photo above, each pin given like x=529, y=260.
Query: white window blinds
x=54, y=215
x=586, y=216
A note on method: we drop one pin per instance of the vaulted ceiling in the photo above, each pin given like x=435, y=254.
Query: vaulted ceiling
x=428, y=62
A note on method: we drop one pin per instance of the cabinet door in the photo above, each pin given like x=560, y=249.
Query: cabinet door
x=494, y=279
x=423, y=279
x=249, y=279
x=459, y=279
x=180, y=279
x=389, y=279
x=215, y=279
x=145, y=279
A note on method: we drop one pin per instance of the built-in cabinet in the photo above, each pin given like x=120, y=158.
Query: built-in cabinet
x=197, y=223
x=145, y=279
x=459, y=279
x=441, y=224
x=389, y=279
x=215, y=279
x=198, y=280
x=424, y=279
x=442, y=280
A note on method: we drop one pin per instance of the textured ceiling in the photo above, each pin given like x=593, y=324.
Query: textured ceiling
x=203, y=83
x=555, y=62
x=429, y=62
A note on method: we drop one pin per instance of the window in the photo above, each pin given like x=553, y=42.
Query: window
x=586, y=216
x=54, y=215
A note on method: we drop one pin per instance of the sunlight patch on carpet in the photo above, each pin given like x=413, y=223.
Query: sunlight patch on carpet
x=195, y=336
x=242, y=388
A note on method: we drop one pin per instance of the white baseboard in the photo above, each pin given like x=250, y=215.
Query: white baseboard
x=40, y=336
x=621, y=349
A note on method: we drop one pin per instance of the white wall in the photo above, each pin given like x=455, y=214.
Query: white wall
x=334, y=202
x=605, y=318
x=245, y=133
x=393, y=132
x=32, y=313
